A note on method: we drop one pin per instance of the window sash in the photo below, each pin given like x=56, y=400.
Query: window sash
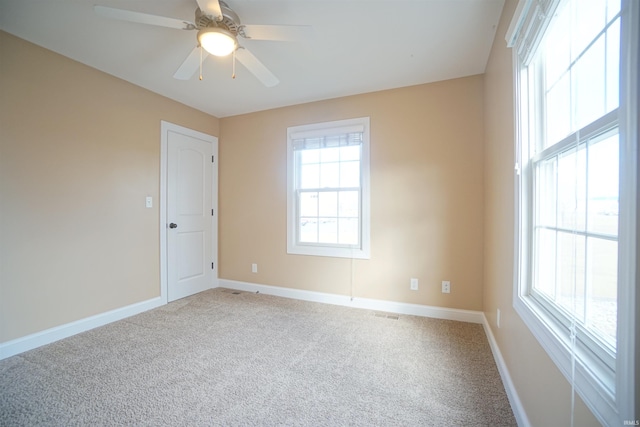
x=298, y=164
x=299, y=217
x=599, y=346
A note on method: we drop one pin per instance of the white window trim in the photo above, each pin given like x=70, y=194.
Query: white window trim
x=318, y=129
x=611, y=409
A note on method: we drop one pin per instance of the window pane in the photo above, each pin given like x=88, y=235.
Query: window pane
x=350, y=174
x=546, y=187
x=581, y=188
x=308, y=204
x=329, y=175
x=571, y=189
x=603, y=186
x=545, y=262
x=589, y=76
x=330, y=154
x=328, y=230
x=558, y=111
x=613, y=7
x=328, y=204
x=308, y=230
x=570, y=273
x=348, y=231
x=602, y=279
x=349, y=204
x=588, y=20
x=557, y=49
x=350, y=152
x=310, y=176
x=613, y=66
x=309, y=156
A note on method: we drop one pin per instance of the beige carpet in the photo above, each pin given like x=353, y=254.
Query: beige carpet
x=242, y=359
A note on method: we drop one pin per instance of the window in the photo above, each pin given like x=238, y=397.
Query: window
x=577, y=191
x=328, y=194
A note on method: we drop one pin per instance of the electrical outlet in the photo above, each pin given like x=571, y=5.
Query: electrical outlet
x=498, y=318
x=414, y=284
x=446, y=287
x=254, y=268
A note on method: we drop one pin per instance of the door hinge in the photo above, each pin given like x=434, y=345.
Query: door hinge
x=211, y=212
x=213, y=159
x=212, y=266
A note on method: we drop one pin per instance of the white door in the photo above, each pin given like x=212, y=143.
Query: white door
x=190, y=231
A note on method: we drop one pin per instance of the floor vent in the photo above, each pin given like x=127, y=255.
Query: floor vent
x=391, y=316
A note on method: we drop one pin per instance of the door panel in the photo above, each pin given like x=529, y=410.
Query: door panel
x=192, y=255
x=191, y=186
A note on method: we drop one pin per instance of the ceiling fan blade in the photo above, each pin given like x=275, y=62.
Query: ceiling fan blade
x=190, y=65
x=211, y=8
x=143, y=18
x=279, y=32
x=256, y=67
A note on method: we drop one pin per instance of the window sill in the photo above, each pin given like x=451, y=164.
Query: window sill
x=328, y=251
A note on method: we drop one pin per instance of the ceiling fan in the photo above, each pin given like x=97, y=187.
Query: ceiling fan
x=218, y=28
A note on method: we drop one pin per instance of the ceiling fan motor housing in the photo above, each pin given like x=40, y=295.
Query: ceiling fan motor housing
x=230, y=20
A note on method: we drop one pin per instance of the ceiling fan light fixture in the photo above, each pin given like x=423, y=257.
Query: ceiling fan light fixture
x=217, y=41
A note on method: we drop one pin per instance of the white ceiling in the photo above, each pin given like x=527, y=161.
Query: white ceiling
x=358, y=46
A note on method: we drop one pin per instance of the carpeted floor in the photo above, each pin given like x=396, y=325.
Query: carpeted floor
x=243, y=359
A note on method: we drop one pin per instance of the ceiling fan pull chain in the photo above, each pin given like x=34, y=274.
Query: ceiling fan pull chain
x=200, y=62
x=233, y=74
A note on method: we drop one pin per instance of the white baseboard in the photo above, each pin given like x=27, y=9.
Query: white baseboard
x=369, y=304
x=29, y=342
x=512, y=394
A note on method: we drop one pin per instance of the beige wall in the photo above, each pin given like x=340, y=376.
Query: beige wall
x=79, y=152
x=545, y=394
x=426, y=196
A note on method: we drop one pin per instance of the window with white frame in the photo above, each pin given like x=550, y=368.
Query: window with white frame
x=328, y=189
x=577, y=190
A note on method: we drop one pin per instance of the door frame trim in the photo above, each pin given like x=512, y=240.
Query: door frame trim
x=165, y=128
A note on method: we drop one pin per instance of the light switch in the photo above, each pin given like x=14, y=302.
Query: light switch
x=149, y=202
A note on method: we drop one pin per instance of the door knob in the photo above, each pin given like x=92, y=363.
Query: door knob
x=173, y=225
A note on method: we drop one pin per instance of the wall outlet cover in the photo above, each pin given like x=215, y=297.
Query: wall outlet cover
x=446, y=287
